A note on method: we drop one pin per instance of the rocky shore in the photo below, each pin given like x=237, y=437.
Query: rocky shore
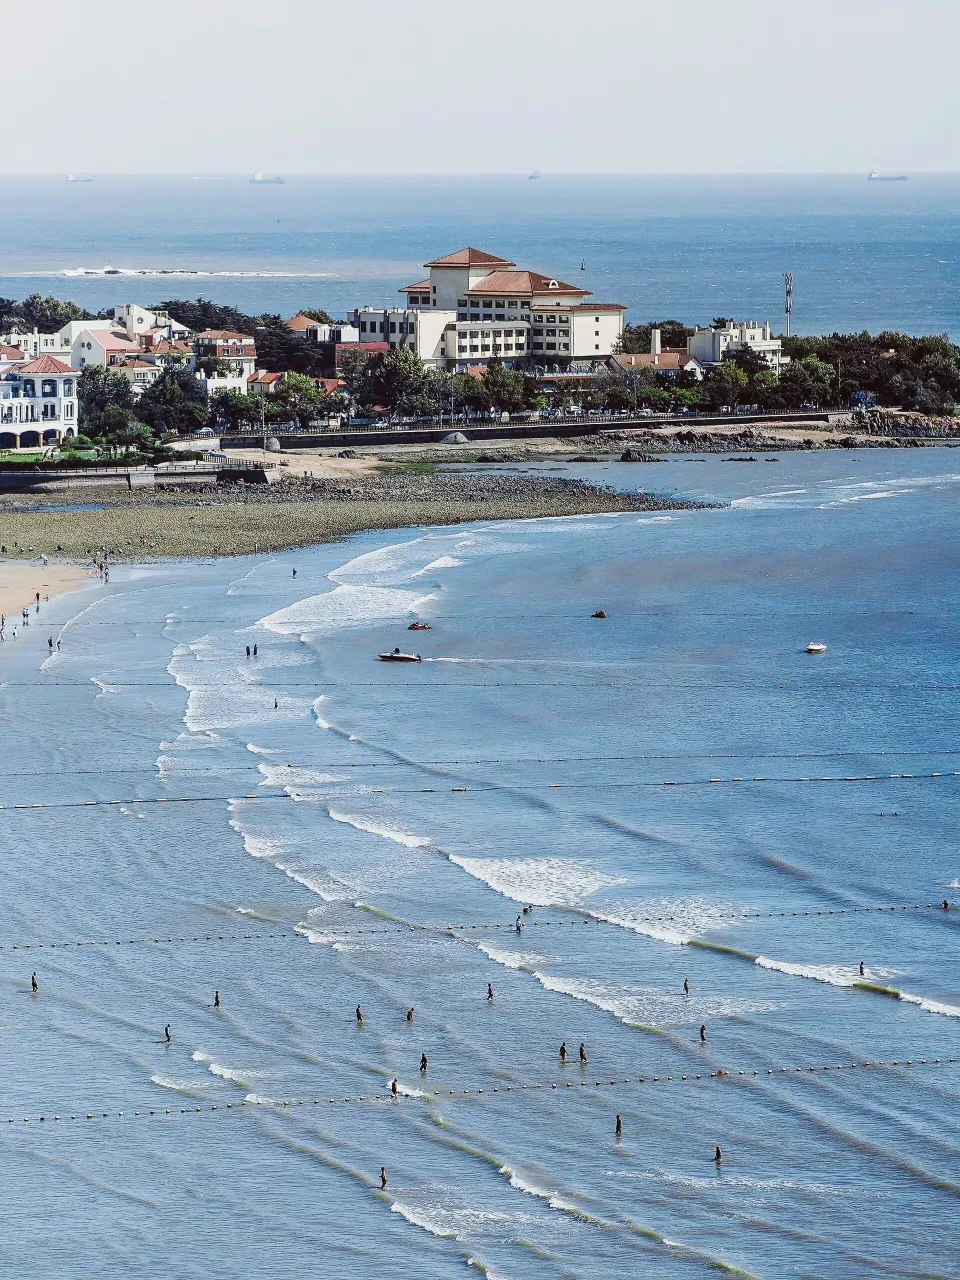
x=239, y=519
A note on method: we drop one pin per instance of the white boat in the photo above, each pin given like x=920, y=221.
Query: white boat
x=399, y=656
x=816, y=646
x=264, y=179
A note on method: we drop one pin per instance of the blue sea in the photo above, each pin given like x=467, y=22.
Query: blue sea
x=678, y=792
x=864, y=255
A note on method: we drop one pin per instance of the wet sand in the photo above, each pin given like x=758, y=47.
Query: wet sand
x=19, y=584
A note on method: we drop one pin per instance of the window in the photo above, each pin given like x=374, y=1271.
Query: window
x=538, y=319
x=29, y=387
x=512, y=302
x=461, y=302
x=564, y=346
x=68, y=410
x=597, y=347
x=474, y=315
x=68, y=387
x=501, y=303
x=474, y=349
x=563, y=319
x=48, y=387
x=500, y=316
x=474, y=333
x=551, y=346
x=363, y=326
x=524, y=306
x=382, y=327
x=461, y=315
x=49, y=411
x=596, y=319
x=564, y=333
x=487, y=303
x=393, y=326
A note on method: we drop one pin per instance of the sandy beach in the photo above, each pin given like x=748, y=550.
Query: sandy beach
x=19, y=584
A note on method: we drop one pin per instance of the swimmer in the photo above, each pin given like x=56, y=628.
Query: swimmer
x=703, y=1033
x=383, y=1178
x=394, y=1087
x=563, y=1052
x=583, y=1055
x=945, y=905
x=166, y=1032
x=359, y=1017
x=423, y=1063
x=34, y=984
x=409, y=1015
x=216, y=999
x=619, y=1127
x=863, y=971
x=718, y=1156
x=686, y=987
x=490, y=993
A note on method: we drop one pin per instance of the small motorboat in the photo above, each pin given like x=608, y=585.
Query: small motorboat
x=399, y=656
x=816, y=646
x=599, y=614
x=419, y=626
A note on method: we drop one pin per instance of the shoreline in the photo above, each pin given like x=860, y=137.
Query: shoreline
x=20, y=582
x=301, y=513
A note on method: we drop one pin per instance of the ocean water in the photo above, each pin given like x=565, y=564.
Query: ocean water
x=864, y=255
x=336, y=831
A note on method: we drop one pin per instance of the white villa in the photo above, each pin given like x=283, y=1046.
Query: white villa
x=474, y=307
x=709, y=345
x=38, y=403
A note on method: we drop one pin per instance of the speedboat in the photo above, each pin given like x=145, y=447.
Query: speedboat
x=419, y=626
x=398, y=656
x=816, y=646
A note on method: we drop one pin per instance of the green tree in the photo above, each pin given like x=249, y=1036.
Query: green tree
x=50, y=314
x=503, y=390
x=299, y=397
x=100, y=389
x=635, y=339
x=176, y=402
x=215, y=367
x=320, y=316
x=724, y=385
x=400, y=383
x=808, y=381
x=232, y=410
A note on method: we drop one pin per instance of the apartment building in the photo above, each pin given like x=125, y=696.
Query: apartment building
x=474, y=307
x=710, y=345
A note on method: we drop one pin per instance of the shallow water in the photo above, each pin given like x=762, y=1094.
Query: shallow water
x=327, y=796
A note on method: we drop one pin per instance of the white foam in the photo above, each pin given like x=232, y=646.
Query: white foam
x=542, y=882
x=931, y=1006
x=344, y=606
x=316, y=879
x=419, y=1218
x=520, y=1183
x=178, y=1086
x=443, y=562
x=223, y=1073
x=650, y=1007
x=262, y=751
x=527, y=960
x=375, y=829
x=286, y=776
x=837, y=975
x=681, y=919
x=698, y=1182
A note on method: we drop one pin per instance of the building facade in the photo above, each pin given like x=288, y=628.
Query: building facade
x=709, y=346
x=475, y=307
x=38, y=403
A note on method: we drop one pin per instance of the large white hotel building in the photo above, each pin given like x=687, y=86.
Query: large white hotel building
x=474, y=307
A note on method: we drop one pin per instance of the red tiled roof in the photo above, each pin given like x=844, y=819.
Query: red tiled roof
x=300, y=324
x=423, y=287
x=223, y=335
x=45, y=364
x=599, y=306
x=11, y=353
x=268, y=379
x=470, y=258
x=522, y=284
x=669, y=360
x=113, y=341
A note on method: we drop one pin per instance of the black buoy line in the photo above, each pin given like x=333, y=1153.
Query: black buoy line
x=570, y=1087
x=441, y=930
x=480, y=789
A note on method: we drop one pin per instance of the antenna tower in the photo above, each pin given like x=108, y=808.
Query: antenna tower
x=788, y=297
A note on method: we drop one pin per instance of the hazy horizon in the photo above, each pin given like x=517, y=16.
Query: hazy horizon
x=623, y=86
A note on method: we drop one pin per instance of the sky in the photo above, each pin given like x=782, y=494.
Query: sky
x=446, y=86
